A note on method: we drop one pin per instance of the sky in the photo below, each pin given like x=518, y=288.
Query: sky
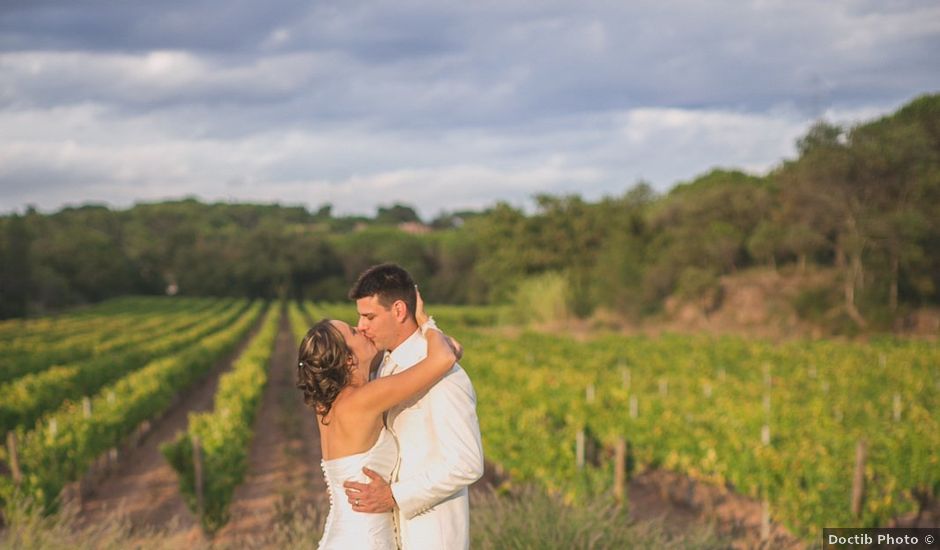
x=440, y=105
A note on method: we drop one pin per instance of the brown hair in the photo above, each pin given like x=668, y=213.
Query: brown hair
x=389, y=282
x=323, y=366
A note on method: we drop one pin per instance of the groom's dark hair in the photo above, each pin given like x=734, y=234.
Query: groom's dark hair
x=389, y=282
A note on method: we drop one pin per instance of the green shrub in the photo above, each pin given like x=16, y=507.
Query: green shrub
x=541, y=299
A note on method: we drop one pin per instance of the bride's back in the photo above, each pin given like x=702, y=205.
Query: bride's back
x=348, y=428
x=345, y=528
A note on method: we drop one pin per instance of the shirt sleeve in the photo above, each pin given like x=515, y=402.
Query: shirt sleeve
x=452, y=404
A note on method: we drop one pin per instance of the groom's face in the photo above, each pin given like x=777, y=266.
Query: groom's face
x=376, y=322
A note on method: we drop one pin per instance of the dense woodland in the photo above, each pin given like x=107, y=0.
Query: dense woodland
x=862, y=202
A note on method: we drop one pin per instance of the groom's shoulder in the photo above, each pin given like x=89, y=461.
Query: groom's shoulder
x=456, y=377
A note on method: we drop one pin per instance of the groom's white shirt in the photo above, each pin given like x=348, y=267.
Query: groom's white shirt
x=441, y=454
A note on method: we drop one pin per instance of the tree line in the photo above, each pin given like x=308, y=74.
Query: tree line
x=862, y=202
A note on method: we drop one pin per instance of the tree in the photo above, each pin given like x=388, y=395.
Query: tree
x=802, y=241
x=16, y=276
x=705, y=223
x=896, y=157
x=766, y=242
x=824, y=192
x=396, y=214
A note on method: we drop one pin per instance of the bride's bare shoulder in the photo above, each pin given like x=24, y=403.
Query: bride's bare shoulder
x=352, y=406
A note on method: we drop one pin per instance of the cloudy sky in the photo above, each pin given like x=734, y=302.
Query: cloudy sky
x=443, y=105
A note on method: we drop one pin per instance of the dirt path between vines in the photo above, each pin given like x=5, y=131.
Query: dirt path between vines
x=144, y=489
x=680, y=503
x=284, y=460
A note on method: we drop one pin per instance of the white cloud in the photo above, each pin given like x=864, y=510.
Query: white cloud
x=444, y=106
x=44, y=78
x=356, y=167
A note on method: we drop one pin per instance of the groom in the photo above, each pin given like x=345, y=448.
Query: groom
x=440, y=449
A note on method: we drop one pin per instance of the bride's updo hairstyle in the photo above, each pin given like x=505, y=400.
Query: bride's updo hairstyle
x=323, y=366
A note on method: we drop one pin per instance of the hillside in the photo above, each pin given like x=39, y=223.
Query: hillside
x=779, y=304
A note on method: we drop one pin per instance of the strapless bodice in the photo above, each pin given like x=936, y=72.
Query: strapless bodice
x=346, y=528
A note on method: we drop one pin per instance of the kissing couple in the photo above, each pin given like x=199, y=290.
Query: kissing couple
x=399, y=433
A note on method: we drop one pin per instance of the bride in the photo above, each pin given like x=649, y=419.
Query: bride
x=335, y=361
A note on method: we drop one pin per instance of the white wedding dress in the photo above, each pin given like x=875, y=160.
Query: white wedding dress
x=346, y=529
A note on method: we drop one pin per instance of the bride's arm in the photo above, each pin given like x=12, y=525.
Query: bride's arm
x=384, y=393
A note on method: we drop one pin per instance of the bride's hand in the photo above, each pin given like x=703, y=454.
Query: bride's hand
x=421, y=316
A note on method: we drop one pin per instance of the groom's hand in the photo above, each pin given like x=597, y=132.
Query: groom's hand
x=371, y=498
x=454, y=346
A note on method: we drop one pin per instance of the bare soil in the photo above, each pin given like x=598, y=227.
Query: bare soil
x=680, y=502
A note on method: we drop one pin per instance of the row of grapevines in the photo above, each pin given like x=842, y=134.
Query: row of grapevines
x=12, y=329
x=300, y=320
x=61, y=449
x=341, y=311
x=89, y=325
x=225, y=432
x=123, y=332
x=16, y=332
x=774, y=422
x=469, y=316
x=30, y=396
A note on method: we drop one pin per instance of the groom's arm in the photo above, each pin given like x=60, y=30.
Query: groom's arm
x=452, y=410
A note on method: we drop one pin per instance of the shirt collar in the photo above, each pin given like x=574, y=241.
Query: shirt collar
x=412, y=350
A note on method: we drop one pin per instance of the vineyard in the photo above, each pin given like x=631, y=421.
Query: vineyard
x=776, y=423
x=780, y=423
x=64, y=442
